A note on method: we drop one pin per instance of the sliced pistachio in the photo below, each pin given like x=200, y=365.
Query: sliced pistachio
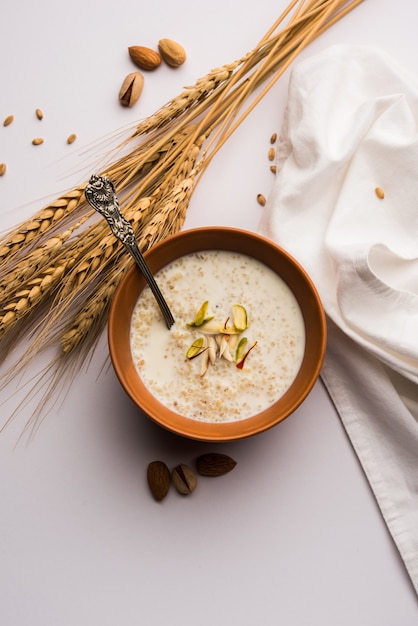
x=239, y=317
x=241, y=363
x=239, y=352
x=201, y=316
x=196, y=348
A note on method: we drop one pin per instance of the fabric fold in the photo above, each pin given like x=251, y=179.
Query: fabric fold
x=345, y=204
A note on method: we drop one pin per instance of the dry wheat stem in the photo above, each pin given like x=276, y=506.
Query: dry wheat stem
x=36, y=260
x=93, y=260
x=281, y=53
x=89, y=255
x=63, y=298
x=282, y=48
x=166, y=114
x=48, y=218
x=90, y=320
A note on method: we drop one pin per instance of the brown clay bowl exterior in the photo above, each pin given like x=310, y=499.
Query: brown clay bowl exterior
x=218, y=238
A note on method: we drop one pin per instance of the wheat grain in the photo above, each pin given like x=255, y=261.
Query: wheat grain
x=19, y=240
x=36, y=260
x=198, y=96
x=30, y=297
x=88, y=323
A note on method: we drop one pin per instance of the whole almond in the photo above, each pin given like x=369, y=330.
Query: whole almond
x=184, y=479
x=158, y=477
x=214, y=464
x=172, y=52
x=145, y=58
x=131, y=89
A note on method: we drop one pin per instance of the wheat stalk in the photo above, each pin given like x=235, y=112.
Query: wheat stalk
x=19, y=240
x=75, y=266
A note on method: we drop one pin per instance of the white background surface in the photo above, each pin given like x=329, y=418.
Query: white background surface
x=293, y=534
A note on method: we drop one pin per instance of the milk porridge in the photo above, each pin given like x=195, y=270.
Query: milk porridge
x=185, y=368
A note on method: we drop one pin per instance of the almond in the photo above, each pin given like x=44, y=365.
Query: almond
x=172, y=52
x=145, y=58
x=158, y=477
x=214, y=464
x=131, y=89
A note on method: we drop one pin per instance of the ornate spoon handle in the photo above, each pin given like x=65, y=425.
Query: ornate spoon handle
x=101, y=194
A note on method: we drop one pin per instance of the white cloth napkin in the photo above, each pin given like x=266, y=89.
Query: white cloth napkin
x=351, y=126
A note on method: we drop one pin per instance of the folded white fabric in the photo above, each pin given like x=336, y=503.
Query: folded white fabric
x=350, y=128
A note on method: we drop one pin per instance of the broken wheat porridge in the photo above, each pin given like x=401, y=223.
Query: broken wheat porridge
x=203, y=367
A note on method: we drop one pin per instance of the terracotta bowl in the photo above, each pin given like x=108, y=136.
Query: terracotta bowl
x=218, y=238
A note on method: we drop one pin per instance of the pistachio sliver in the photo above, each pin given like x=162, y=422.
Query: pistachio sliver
x=239, y=317
x=201, y=314
x=241, y=362
x=239, y=352
x=196, y=348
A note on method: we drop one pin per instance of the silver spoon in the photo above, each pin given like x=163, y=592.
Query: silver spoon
x=101, y=194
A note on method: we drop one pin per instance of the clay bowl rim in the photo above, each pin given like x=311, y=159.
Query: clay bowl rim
x=221, y=238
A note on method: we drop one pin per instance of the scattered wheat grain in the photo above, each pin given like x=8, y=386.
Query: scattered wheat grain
x=261, y=199
x=39, y=114
x=379, y=193
x=9, y=119
x=37, y=141
x=2, y=169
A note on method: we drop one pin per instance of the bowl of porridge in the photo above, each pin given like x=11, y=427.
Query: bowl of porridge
x=248, y=340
